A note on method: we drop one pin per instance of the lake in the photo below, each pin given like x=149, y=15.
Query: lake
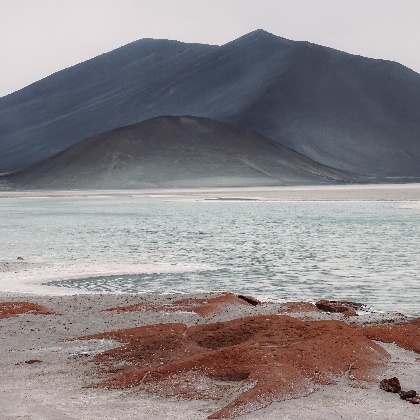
x=273, y=250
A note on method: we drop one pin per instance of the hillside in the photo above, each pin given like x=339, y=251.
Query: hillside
x=174, y=152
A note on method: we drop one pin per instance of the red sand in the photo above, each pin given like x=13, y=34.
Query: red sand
x=405, y=335
x=248, y=362
x=9, y=309
x=293, y=307
x=203, y=307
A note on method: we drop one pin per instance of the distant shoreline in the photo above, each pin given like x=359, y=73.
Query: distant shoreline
x=348, y=192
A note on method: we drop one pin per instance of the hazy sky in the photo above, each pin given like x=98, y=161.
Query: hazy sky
x=39, y=37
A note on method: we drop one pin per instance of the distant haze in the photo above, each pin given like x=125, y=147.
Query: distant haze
x=40, y=37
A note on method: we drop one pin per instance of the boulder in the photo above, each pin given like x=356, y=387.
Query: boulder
x=346, y=308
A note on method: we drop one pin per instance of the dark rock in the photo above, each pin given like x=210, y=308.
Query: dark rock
x=346, y=308
x=390, y=385
x=407, y=394
x=252, y=301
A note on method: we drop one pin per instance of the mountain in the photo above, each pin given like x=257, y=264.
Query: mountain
x=344, y=111
x=174, y=152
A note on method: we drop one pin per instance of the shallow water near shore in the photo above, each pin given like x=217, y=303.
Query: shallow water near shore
x=362, y=251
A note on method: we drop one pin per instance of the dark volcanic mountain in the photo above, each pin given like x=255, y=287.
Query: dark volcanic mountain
x=344, y=111
x=174, y=152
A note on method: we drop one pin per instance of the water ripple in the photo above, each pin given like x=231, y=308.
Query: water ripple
x=364, y=251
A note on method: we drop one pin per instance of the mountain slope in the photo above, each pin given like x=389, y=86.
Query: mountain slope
x=174, y=152
x=345, y=111
x=342, y=110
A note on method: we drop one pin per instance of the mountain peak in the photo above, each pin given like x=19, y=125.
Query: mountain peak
x=259, y=35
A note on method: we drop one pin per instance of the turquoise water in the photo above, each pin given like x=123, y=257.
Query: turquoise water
x=362, y=251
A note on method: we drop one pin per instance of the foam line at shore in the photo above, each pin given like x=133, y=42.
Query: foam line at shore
x=25, y=277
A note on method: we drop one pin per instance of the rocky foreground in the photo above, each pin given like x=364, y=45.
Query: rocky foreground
x=214, y=355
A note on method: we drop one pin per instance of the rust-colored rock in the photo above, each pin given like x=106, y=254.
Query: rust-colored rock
x=335, y=306
x=405, y=335
x=29, y=362
x=349, y=313
x=203, y=307
x=9, y=309
x=293, y=307
x=390, y=385
x=414, y=400
x=269, y=357
x=407, y=394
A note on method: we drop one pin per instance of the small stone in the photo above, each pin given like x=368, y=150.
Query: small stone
x=249, y=299
x=414, y=400
x=390, y=385
x=32, y=361
x=407, y=394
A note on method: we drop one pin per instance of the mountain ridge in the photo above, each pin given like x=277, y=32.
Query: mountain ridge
x=348, y=112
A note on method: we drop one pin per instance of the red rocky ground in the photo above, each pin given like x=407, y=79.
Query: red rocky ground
x=405, y=335
x=245, y=363
x=248, y=362
x=8, y=309
x=203, y=307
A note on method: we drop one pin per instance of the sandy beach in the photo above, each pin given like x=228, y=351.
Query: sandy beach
x=47, y=369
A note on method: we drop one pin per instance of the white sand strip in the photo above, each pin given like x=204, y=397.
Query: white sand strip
x=23, y=277
x=366, y=192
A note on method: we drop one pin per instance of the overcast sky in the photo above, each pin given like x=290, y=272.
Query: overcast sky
x=40, y=37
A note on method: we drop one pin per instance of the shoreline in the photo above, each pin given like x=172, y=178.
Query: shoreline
x=32, y=277
x=348, y=192
x=35, y=278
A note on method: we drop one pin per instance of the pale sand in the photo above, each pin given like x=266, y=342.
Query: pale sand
x=53, y=389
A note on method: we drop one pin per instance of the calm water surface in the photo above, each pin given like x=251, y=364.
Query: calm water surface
x=363, y=251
